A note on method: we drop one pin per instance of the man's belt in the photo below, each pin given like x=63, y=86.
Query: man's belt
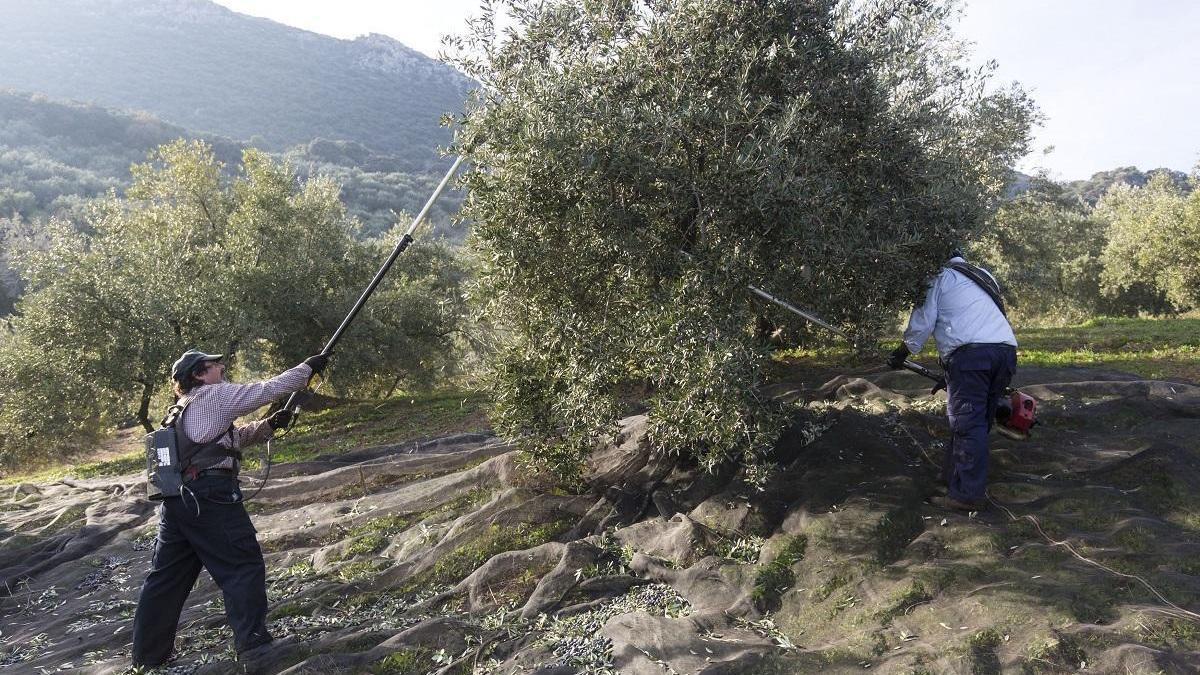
x=214, y=472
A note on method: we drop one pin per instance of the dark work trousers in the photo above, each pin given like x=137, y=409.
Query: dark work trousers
x=221, y=539
x=976, y=377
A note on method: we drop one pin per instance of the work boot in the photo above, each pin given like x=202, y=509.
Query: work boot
x=259, y=658
x=953, y=504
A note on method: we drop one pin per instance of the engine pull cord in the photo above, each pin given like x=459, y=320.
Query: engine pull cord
x=286, y=431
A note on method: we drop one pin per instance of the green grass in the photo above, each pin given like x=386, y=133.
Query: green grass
x=903, y=600
x=1152, y=348
x=362, y=424
x=777, y=576
x=358, y=571
x=463, y=560
x=118, y=466
x=347, y=425
x=373, y=535
x=404, y=662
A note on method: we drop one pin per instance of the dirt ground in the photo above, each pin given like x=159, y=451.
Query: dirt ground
x=448, y=556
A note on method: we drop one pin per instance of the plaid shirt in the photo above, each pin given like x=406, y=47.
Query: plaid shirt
x=214, y=407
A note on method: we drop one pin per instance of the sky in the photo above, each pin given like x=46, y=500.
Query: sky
x=1118, y=81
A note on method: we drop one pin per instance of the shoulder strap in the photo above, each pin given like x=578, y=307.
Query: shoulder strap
x=183, y=441
x=172, y=416
x=983, y=280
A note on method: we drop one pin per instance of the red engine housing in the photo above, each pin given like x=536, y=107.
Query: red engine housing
x=1024, y=412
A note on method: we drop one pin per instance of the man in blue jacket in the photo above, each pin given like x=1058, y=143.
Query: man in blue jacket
x=964, y=312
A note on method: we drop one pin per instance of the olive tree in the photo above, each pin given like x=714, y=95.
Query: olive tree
x=1154, y=240
x=638, y=163
x=1047, y=245
x=256, y=265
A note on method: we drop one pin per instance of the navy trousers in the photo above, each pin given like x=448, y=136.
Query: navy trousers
x=220, y=539
x=976, y=377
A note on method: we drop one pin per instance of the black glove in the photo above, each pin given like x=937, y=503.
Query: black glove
x=317, y=362
x=280, y=419
x=899, y=356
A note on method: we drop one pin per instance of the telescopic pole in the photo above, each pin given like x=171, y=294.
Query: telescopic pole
x=400, y=246
x=404, y=242
x=913, y=366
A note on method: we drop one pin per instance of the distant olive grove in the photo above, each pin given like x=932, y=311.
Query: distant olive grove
x=1136, y=251
x=56, y=157
x=252, y=262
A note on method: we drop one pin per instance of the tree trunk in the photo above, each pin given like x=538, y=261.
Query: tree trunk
x=143, y=413
x=395, y=385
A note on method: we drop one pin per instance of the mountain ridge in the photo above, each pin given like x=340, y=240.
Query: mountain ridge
x=201, y=66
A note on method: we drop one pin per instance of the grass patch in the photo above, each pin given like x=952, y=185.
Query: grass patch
x=895, y=531
x=366, y=544
x=465, y=559
x=464, y=502
x=777, y=576
x=1161, y=349
x=298, y=570
x=1054, y=655
x=1170, y=634
x=1096, y=604
x=404, y=662
x=1135, y=539
x=289, y=609
x=742, y=549
x=374, y=535
x=55, y=522
x=982, y=649
x=357, y=571
x=902, y=602
x=118, y=466
x=822, y=592
x=347, y=425
x=361, y=424
x=986, y=639
x=129, y=462
x=1152, y=348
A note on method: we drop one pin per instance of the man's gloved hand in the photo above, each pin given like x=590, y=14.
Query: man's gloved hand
x=317, y=362
x=899, y=356
x=280, y=419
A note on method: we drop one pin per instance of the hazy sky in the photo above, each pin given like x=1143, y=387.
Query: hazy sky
x=1118, y=81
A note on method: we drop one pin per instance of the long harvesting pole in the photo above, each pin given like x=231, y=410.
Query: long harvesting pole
x=405, y=240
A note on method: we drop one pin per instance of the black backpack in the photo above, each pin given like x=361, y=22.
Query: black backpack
x=169, y=453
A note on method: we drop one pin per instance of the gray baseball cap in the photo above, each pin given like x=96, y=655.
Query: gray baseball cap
x=190, y=359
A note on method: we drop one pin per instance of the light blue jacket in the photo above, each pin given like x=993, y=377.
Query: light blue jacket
x=956, y=312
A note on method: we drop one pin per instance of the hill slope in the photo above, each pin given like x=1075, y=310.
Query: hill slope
x=199, y=65
x=54, y=156
x=1092, y=189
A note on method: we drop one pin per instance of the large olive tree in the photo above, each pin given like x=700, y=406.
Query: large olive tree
x=638, y=163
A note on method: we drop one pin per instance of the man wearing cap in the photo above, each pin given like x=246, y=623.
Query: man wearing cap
x=207, y=526
x=964, y=312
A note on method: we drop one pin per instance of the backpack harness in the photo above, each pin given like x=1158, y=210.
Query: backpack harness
x=983, y=280
x=171, y=455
